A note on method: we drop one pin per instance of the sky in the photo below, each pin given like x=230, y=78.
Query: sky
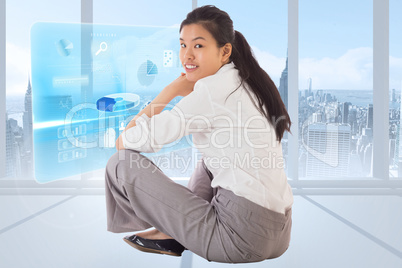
x=335, y=37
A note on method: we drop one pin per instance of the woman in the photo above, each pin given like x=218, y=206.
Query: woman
x=236, y=208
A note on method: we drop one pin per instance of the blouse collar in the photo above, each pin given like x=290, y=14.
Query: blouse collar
x=226, y=66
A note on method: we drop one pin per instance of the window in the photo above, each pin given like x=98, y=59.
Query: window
x=335, y=89
x=21, y=15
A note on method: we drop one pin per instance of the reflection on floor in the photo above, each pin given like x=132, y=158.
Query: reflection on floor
x=70, y=231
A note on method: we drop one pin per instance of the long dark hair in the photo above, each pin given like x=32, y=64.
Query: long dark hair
x=220, y=25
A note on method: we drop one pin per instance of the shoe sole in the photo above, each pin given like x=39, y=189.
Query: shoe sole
x=150, y=250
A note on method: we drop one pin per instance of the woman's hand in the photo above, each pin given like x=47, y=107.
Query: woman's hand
x=181, y=86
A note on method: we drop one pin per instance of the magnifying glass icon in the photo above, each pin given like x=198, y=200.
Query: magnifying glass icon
x=102, y=48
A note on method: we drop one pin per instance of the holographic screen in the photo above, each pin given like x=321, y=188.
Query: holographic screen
x=88, y=81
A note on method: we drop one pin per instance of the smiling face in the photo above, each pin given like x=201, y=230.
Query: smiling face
x=198, y=49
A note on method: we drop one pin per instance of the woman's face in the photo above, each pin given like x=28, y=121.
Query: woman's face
x=199, y=49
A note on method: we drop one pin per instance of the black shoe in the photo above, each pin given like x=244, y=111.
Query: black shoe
x=161, y=246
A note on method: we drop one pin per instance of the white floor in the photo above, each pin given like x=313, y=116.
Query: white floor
x=70, y=231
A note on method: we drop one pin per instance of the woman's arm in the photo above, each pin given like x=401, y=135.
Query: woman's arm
x=179, y=87
x=163, y=98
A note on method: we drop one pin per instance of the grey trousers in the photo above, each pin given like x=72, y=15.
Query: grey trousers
x=213, y=223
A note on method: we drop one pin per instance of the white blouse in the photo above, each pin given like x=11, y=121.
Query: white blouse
x=238, y=143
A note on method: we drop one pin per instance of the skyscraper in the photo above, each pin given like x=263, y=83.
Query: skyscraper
x=345, y=112
x=393, y=95
x=10, y=155
x=317, y=117
x=319, y=95
x=370, y=116
x=368, y=159
x=283, y=85
x=353, y=120
x=328, y=147
x=27, y=157
x=13, y=165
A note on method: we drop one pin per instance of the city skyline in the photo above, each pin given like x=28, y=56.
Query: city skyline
x=326, y=122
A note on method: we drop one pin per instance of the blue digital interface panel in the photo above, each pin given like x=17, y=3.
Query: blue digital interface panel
x=88, y=81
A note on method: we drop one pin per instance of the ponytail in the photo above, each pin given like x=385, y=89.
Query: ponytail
x=261, y=85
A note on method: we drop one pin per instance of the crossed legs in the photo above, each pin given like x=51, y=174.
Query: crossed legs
x=140, y=196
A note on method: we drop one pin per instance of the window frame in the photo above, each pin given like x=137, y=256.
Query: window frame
x=2, y=88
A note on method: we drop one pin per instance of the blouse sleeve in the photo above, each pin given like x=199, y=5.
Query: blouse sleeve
x=192, y=114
